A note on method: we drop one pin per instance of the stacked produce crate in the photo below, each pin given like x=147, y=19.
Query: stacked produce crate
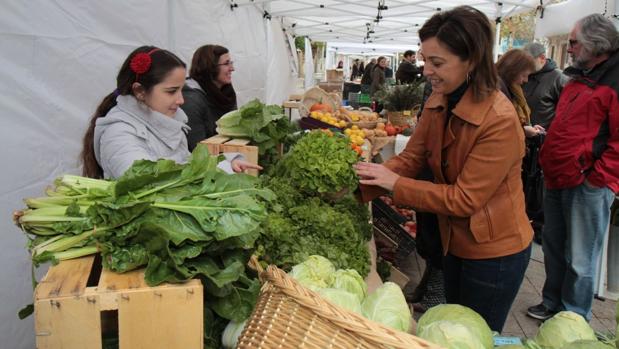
x=394, y=229
x=79, y=305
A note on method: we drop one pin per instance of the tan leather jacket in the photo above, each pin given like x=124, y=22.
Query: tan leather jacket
x=476, y=160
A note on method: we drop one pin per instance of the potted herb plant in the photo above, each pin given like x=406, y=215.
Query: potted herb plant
x=401, y=102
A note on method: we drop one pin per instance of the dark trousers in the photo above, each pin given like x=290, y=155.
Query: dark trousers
x=488, y=286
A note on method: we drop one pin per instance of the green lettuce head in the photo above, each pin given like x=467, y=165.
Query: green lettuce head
x=342, y=298
x=586, y=344
x=450, y=335
x=459, y=314
x=388, y=307
x=315, y=272
x=350, y=280
x=563, y=328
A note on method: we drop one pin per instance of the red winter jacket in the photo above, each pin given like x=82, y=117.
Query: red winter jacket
x=583, y=139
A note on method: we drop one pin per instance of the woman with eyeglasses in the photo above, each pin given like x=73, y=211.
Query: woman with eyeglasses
x=208, y=91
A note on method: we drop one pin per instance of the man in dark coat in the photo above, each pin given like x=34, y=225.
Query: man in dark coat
x=542, y=93
x=544, y=86
x=407, y=71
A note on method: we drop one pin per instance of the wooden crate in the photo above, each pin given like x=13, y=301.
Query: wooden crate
x=222, y=144
x=71, y=313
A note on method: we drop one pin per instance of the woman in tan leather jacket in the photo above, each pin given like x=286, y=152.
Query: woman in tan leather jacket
x=470, y=137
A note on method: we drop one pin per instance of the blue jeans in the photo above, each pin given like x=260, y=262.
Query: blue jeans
x=488, y=286
x=576, y=223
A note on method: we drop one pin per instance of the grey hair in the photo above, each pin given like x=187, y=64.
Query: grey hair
x=535, y=49
x=597, y=34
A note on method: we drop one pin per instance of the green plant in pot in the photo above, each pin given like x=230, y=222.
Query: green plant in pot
x=400, y=100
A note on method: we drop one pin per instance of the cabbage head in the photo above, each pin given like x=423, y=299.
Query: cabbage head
x=565, y=327
x=350, y=280
x=586, y=344
x=316, y=272
x=342, y=298
x=387, y=306
x=461, y=315
x=512, y=346
x=450, y=335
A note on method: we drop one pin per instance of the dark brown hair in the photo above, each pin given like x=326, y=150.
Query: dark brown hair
x=513, y=63
x=468, y=34
x=163, y=62
x=204, y=70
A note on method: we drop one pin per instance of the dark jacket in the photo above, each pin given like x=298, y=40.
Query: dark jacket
x=366, y=79
x=200, y=118
x=583, y=140
x=407, y=73
x=378, y=79
x=542, y=93
x=201, y=113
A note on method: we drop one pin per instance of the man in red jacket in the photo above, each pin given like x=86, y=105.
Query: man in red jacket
x=580, y=162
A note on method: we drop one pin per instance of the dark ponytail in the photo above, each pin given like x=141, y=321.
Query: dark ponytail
x=162, y=63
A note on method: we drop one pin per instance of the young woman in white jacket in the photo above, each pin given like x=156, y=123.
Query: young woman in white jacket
x=141, y=119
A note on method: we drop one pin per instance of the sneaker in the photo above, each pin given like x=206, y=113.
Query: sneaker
x=540, y=312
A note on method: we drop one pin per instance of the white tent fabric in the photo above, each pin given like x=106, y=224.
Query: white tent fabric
x=59, y=58
x=559, y=18
x=308, y=65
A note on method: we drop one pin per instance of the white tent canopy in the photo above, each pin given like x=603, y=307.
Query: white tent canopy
x=59, y=58
x=361, y=21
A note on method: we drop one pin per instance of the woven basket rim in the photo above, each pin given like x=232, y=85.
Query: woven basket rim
x=276, y=280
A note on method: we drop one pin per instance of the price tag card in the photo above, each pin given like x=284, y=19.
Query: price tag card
x=498, y=341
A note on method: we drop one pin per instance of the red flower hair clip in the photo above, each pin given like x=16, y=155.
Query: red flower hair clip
x=141, y=62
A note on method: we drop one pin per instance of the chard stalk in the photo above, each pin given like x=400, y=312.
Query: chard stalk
x=75, y=253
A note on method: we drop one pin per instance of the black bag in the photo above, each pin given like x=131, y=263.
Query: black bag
x=533, y=181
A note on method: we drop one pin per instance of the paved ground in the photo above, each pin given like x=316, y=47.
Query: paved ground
x=518, y=323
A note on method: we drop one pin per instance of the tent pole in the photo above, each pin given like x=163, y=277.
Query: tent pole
x=497, y=36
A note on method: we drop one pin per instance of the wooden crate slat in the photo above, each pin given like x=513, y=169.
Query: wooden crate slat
x=68, y=278
x=238, y=141
x=218, y=139
x=68, y=323
x=110, y=281
x=139, y=313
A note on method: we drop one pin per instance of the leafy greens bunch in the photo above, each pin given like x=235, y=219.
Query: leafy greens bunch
x=266, y=125
x=319, y=163
x=180, y=221
x=303, y=222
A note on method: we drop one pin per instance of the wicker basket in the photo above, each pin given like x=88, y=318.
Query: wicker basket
x=398, y=118
x=289, y=315
x=316, y=95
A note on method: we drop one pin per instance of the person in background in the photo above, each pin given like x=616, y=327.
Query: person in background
x=542, y=93
x=361, y=68
x=141, y=119
x=407, y=70
x=514, y=68
x=580, y=161
x=477, y=190
x=340, y=65
x=208, y=92
x=543, y=87
x=366, y=79
x=355, y=70
x=388, y=71
x=378, y=75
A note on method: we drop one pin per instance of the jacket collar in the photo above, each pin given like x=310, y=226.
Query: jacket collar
x=596, y=73
x=467, y=110
x=193, y=84
x=167, y=129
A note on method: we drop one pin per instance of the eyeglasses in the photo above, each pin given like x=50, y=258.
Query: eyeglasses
x=227, y=63
x=572, y=42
